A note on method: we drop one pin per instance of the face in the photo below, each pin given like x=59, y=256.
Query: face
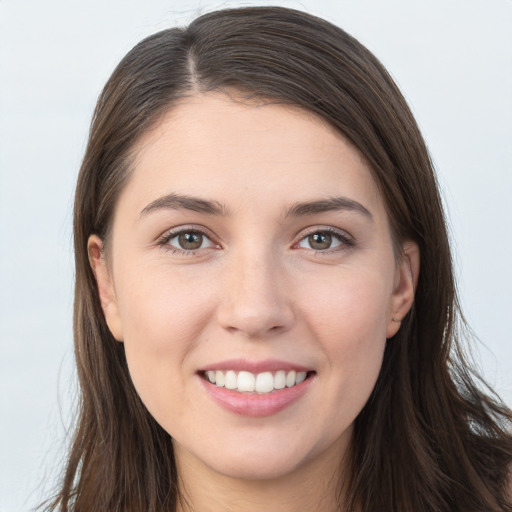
x=251, y=277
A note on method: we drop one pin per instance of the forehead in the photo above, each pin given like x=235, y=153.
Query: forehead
x=214, y=144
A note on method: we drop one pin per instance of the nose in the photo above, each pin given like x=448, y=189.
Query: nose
x=256, y=300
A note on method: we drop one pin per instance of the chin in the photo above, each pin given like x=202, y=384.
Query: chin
x=261, y=467
x=264, y=457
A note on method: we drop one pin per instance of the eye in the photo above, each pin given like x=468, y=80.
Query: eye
x=325, y=240
x=187, y=240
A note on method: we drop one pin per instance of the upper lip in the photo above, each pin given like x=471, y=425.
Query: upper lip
x=267, y=365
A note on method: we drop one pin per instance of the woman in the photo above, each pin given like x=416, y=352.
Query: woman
x=265, y=311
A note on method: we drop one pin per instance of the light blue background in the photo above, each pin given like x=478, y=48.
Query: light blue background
x=453, y=61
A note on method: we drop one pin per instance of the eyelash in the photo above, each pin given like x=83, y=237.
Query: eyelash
x=164, y=240
x=346, y=241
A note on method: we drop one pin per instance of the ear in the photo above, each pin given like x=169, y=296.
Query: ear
x=105, y=284
x=406, y=280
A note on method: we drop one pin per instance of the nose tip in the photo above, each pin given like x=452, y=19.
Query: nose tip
x=253, y=322
x=255, y=304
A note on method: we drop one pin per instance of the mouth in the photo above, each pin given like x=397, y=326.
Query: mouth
x=256, y=388
x=262, y=383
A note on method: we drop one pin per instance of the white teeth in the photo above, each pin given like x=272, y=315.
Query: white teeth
x=301, y=377
x=280, y=379
x=231, y=380
x=264, y=382
x=246, y=381
x=219, y=378
x=290, y=379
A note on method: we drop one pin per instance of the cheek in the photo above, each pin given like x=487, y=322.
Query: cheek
x=350, y=305
x=162, y=313
x=349, y=321
x=162, y=324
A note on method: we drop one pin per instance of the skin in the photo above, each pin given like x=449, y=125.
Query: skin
x=256, y=289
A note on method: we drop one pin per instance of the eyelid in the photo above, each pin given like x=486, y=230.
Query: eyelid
x=347, y=240
x=163, y=239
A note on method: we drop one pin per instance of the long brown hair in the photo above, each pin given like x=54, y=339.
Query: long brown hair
x=428, y=439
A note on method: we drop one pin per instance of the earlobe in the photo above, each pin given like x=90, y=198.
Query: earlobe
x=406, y=280
x=105, y=286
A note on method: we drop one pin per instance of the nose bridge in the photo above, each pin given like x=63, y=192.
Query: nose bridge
x=255, y=299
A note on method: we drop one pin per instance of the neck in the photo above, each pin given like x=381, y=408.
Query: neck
x=313, y=486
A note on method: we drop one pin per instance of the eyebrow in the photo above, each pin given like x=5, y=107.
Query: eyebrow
x=331, y=204
x=185, y=202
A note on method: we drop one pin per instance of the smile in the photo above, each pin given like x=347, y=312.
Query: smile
x=261, y=383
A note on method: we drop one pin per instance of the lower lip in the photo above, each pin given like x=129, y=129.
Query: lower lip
x=254, y=404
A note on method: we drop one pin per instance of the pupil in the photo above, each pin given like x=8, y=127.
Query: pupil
x=320, y=241
x=190, y=240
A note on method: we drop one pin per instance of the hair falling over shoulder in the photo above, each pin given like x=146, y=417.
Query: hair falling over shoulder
x=433, y=436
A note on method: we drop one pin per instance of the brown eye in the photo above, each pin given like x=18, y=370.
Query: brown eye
x=320, y=241
x=325, y=240
x=190, y=240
